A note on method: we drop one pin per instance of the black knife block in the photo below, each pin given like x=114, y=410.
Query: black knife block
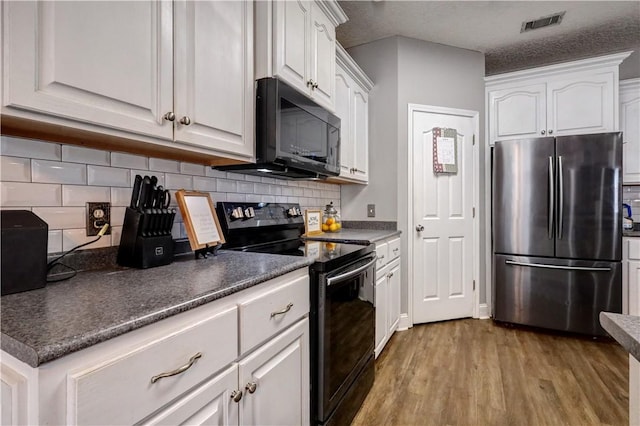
x=143, y=245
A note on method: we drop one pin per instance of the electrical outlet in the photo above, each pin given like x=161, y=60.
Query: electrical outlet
x=371, y=210
x=97, y=215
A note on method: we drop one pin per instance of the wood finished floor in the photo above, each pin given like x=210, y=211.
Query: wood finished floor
x=475, y=372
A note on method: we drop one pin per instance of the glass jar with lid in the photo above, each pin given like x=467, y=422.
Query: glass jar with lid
x=331, y=219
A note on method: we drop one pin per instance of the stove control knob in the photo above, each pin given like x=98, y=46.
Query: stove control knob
x=237, y=213
x=298, y=211
x=249, y=213
x=292, y=212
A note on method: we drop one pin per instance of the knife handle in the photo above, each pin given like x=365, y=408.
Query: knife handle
x=135, y=194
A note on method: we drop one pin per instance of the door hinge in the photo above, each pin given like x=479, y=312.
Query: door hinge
x=474, y=285
x=473, y=212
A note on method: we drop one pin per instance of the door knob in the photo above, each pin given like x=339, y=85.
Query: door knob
x=236, y=395
x=170, y=116
x=542, y=132
x=185, y=120
x=419, y=228
x=251, y=387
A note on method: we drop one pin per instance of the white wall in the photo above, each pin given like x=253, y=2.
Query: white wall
x=56, y=180
x=407, y=71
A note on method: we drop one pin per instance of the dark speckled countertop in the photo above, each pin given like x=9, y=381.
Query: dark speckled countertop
x=42, y=325
x=625, y=329
x=356, y=236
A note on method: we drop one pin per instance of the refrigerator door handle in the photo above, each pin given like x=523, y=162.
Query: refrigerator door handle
x=568, y=268
x=552, y=197
x=560, y=197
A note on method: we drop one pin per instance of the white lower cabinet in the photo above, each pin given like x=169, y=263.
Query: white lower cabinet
x=387, y=292
x=186, y=369
x=275, y=380
x=631, y=303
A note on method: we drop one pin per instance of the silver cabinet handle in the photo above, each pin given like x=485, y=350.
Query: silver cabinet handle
x=170, y=116
x=236, y=395
x=560, y=197
x=185, y=120
x=251, y=387
x=550, y=131
x=310, y=83
x=390, y=274
x=314, y=86
x=552, y=196
x=395, y=250
x=542, y=132
x=419, y=228
x=179, y=370
x=545, y=266
x=283, y=311
x=381, y=257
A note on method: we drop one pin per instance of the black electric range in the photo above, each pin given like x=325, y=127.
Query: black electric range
x=342, y=308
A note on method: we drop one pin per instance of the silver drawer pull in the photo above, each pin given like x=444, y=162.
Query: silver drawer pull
x=251, y=387
x=178, y=370
x=284, y=311
x=236, y=395
x=395, y=250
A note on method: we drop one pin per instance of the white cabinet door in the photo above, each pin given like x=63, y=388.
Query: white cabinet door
x=275, y=380
x=343, y=100
x=360, y=134
x=394, y=296
x=104, y=63
x=634, y=287
x=382, y=309
x=214, y=75
x=581, y=105
x=209, y=404
x=290, y=26
x=322, y=53
x=516, y=113
x=630, y=127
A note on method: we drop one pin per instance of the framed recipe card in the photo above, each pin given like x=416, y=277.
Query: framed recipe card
x=312, y=222
x=200, y=219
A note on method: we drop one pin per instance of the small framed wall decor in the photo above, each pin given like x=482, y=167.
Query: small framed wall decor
x=200, y=219
x=312, y=222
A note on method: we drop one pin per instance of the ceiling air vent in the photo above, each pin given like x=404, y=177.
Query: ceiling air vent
x=545, y=21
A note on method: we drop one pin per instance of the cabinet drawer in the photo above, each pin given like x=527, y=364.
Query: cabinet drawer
x=394, y=248
x=633, y=248
x=382, y=251
x=270, y=312
x=97, y=395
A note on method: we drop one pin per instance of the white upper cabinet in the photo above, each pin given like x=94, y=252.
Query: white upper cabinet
x=214, y=74
x=296, y=41
x=105, y=63
x=566, y=99
x=352, y=106
x=155, y=71
x=630, y=127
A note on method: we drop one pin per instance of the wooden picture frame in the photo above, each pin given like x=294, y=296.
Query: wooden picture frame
x=200, y=219
x=312, y=222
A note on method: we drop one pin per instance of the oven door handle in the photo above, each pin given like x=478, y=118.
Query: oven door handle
x=350, y=274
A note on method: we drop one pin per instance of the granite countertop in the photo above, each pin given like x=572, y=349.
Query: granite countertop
x=39, y=326
x=355, y=236
x=625, y=329
x=631, y=233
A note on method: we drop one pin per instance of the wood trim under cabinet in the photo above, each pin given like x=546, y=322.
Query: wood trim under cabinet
x=32, y=129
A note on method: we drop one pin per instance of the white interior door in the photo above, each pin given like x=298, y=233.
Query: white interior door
x=443, y=239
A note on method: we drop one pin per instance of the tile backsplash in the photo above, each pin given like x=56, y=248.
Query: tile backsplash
x=55, y=181
x=631, y=196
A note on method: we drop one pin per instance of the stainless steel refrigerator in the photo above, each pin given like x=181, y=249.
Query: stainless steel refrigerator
x=557, y=231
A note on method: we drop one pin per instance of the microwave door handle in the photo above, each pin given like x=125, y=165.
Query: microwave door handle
x=350, y=274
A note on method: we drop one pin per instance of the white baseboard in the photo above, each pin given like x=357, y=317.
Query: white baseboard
x=483, y=311
x=404, y=323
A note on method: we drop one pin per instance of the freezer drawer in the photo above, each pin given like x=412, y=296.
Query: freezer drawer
x=558, y=294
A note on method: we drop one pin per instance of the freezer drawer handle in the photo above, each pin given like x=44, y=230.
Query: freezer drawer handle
x=552, y=197
x=569, y=268
x=560, y=197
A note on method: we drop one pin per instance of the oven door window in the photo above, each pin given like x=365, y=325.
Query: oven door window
x=349, y=328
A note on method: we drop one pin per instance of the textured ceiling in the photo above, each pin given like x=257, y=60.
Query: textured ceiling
x=493, y=27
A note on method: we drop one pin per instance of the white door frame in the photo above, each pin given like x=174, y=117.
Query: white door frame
x=475, y=115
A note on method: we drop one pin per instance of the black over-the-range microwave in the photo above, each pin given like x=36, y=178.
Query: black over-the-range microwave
x=295, y=137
